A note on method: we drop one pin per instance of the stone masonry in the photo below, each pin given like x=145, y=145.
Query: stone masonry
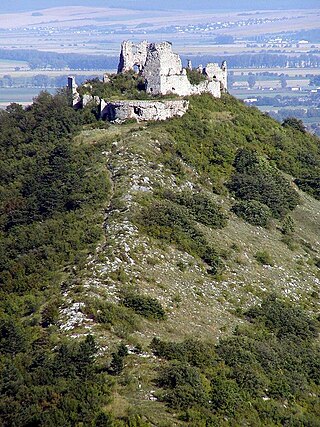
x=163, y=72
x=72, y=86
x=118, y=111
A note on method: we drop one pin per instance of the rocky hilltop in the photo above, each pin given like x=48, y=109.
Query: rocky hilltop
x=159, y=73
x=173, y=279
x=177, y=234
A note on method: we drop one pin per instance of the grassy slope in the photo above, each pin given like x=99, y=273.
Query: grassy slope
x=140, y=160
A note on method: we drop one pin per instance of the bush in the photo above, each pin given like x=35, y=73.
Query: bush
x=256, y=179
x=127, y=85
x=287, y=226
x=264, y=258
x=284, y=319
x=183, y=384
x=193, y=351
x=145, y=306
x=310, y=185
x=208, y=136
x=117, y=362
x=110, y=314
x=261, y=375
x=172, y=222
x=294, y=123
x=254, y=212
x=195, y=77
x=200, y=206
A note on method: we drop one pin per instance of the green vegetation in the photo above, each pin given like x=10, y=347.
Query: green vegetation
x=256, y=179
x=173, y=223
x=195, y=77
x=201, y=207
x=144, y=305
x=50, y=193
x=122, y=321
x=264, y=258
x=43, y=387
x=264, y=374
x=56, y=193
x=294, y=123
x=310, y=185
x=209, y=135
x=252, y=211
x=52, y=190
x=288, y=227
x=120, y=86
x=117, y=362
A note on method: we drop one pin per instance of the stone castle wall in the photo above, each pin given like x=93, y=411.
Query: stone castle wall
x=163, y=72
x=120, y=111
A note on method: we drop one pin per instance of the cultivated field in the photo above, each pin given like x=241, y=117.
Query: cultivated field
x=100, y=30
x=19, y=95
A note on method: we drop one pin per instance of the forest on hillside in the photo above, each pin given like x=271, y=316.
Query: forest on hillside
x=54, y=192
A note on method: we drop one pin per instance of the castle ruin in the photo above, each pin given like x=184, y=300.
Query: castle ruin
x=163, y=74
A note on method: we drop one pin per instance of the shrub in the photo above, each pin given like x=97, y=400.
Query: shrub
x=183, y=384
x=310, y=185
x=127, y=85
x=287, y=226
x=117, y=362
x=211, y=257
x=246, y=377
x=200, y=206
x=195, y=77
x=294, y=123
x=208, y=136
x=193, y=351
x=254, y=212
x=284, y=319
x=171, y=222
x=264, y=258
x=226, y=396
x=110, y=314
x=145, y=306
x=256, y=179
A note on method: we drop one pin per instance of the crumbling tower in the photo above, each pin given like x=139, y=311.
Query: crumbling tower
x=132, y=56
x=72, y=86
x=163, y=72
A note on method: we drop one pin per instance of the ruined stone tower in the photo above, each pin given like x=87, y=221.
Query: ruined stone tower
x=132, y=56
x=72, y=86
x=163, y=71
x=163, y=74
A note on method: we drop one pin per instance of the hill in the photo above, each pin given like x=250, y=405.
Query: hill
x=159, y=274
x=177, y=4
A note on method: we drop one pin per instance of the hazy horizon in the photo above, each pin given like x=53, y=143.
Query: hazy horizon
x=20, y=5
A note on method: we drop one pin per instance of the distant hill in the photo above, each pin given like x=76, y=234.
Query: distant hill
x=22, y=5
